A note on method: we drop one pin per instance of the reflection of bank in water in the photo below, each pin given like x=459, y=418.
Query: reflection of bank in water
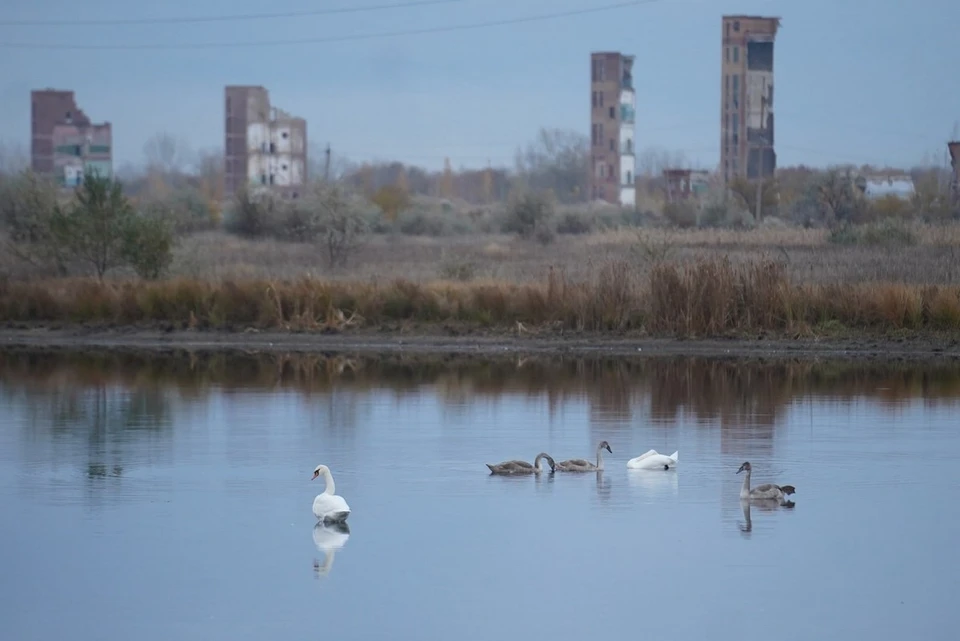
x=329, y=539
x=655, y=482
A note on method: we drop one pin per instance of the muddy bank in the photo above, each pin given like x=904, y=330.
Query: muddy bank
x=574, y=344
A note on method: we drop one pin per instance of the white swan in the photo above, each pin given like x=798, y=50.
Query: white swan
x=765, y=491
x=329, y=539
x=652, y=460
x=329, y=507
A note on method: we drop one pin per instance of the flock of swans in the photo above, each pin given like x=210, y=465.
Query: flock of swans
x=330, y=508
x=650, y=460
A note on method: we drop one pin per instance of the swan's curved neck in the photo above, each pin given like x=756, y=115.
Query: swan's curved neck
x=328, y=479
x=600, y=458
x=536, y=463
x=745, y=488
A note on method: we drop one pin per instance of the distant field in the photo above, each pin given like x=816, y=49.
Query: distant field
x=806, y=254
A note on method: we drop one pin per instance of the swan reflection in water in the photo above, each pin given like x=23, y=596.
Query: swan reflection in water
x=328, y=539
x=763, y=505
x=654, y=481
x=544, y=481
x=603, y=486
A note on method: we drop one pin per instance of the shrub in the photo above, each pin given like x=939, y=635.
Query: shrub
x=341, y=223
x=252, y=214
x=683, y=214
x=843, y=235
x=890, y=232
x=422, y=223
x=28, y=204
x=298, y=223
x=148, y=246
x=529, y=215
x=575, y=223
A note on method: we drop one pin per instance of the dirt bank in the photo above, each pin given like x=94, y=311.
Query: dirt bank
x=435, y=341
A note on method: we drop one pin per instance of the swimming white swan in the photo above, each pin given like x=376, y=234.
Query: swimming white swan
x=329, y=539
x=521, y=467
x=765, y=491
x=329, y=507
x=583, y=465
x=653, y=460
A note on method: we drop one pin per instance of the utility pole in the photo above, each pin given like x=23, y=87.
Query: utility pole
x=759, y=193
x=326, y=164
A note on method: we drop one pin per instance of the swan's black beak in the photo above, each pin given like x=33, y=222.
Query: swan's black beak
x=315, y=475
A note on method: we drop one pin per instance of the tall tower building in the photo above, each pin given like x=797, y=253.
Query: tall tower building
x=612, y=122
x=264, y=147
x=746, y=109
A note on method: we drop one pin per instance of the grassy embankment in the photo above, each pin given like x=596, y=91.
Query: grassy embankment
x=788, y=282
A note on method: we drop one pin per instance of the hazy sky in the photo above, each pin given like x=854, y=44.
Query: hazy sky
x=856, y=80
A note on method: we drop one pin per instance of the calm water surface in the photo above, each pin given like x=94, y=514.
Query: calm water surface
x=157, y=498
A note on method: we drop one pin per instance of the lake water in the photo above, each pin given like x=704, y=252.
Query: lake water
x=157, y=498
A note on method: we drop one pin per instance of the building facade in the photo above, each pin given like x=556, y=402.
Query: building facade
x=612, y=129
x=746, y=110
x=683, y=184
x=64, y=143
x=265, y=148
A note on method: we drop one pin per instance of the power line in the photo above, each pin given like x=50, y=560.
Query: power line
x=223, y=18
x=330, y=39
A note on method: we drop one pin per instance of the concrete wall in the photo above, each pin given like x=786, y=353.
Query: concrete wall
x=57, y=121
x=77, y=149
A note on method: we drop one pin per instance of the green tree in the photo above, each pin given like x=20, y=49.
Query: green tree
x=148, y=246
x=95, y=229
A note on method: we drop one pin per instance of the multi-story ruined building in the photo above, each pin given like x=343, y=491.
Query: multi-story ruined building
x=64, y=143
x=264, y=147
x=683, y=184
x=746, y=109
x=612, y=125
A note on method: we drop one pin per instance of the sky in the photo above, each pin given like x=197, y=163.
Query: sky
x=856, y=81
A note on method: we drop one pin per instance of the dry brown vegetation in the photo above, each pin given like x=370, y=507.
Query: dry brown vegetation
x=705, y=297
x=536, y=259
x=807, y=255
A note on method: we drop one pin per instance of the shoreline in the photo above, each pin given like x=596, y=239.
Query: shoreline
x=915, y=347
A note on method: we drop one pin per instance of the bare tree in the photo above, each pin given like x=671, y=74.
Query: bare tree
x=340, y=165
x=558, y=160
x=167, y=154
x=13, y=158
x=341, y=225
x=653, y=160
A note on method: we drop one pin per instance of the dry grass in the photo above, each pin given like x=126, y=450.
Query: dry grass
x=705, y=297
x=806, y=254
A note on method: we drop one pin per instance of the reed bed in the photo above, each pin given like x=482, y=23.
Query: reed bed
x=708, y=297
